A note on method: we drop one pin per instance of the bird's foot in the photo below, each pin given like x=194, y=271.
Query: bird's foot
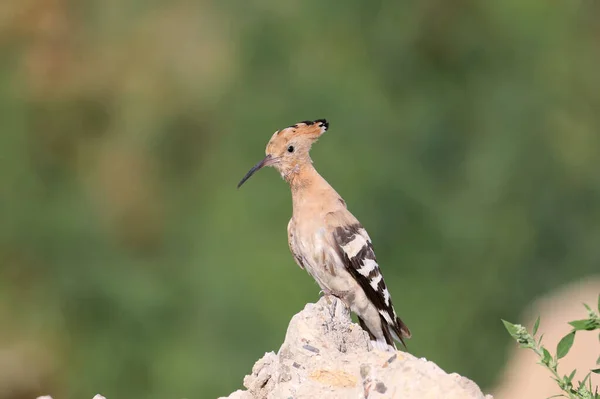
x=335, y=305
x=329, y=297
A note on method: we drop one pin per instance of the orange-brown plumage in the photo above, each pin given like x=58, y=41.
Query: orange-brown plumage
x=326, y=239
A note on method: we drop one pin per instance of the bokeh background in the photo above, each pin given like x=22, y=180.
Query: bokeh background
x=464, y=135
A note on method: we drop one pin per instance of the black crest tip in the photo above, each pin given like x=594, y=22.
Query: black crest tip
x=322, y=123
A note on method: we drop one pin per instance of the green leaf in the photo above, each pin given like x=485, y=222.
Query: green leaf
x=587, y=307
x=570, y=377
x=547, y=357
x=596, y=371
x=565, y=345
x=582, y=383
x=598, y=361
x=585, y=324
x=536, y=326
x=511, y=328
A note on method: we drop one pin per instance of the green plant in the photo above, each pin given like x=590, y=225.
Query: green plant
x=583, y=390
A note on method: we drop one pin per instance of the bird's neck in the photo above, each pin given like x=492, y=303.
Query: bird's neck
x=309, y=189
x=302, y=176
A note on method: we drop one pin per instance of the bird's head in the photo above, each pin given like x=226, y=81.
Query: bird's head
x=289, y=148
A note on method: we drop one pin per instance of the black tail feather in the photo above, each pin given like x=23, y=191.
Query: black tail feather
x=364, y=327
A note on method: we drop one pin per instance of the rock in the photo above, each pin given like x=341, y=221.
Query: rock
x=325, y=355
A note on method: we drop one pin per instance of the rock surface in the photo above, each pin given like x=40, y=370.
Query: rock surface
x=325, y=355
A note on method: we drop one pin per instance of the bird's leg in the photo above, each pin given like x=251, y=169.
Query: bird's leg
x=333, y=301
x=329, y=296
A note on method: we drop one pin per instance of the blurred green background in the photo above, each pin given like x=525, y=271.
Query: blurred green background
x=464, y=135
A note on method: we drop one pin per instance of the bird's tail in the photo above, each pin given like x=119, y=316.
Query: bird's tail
x=397, y=331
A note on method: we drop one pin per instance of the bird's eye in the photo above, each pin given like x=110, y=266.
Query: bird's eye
x=291, y=148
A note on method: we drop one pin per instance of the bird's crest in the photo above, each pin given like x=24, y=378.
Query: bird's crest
x=313, y=129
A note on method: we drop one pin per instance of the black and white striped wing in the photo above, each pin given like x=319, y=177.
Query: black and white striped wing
x=356, y=251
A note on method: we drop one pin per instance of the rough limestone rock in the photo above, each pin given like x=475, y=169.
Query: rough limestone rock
x=325, y=355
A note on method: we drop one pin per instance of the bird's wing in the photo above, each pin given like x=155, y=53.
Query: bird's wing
x=355, y=249
x=292, y=244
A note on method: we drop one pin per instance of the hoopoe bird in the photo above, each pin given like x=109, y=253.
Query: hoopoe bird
x=327, y=240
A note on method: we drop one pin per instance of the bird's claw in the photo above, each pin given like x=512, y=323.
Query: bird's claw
x=331, y=303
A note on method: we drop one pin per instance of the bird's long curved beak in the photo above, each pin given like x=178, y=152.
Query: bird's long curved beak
x=268, y=161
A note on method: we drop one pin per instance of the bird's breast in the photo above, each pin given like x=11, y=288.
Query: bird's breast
x=321, y=261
